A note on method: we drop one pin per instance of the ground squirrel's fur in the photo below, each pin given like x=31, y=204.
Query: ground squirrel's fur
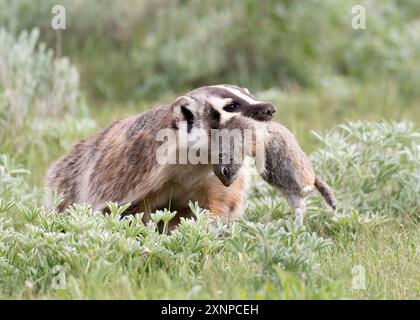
x=286, y=167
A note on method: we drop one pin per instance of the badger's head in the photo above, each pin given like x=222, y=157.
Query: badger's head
x=211, y=106
x=218, y=107
x=230, y=100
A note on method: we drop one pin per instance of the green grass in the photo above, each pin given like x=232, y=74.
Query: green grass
x=391, y=259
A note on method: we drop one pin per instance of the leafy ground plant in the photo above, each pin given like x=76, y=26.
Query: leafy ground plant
x=375, y=168
x=37, y=90
x=79, y=248
x=85, y=254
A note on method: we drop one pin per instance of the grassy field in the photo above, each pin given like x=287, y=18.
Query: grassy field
x=354, y=109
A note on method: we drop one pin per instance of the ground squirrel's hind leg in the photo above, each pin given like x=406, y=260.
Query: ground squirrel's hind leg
x=297, y=203
x=326, y=192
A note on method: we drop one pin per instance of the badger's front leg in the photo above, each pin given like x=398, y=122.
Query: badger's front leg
x=227, y=202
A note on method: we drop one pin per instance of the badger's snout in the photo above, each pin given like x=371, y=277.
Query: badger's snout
x=262, y=112
x=269, y=109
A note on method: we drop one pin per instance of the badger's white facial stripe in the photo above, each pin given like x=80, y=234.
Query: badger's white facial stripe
x=239, y=94
x=218, y=104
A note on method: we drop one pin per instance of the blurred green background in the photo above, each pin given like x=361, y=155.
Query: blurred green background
x=128, y=51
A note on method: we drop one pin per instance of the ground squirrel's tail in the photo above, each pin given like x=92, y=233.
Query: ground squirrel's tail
x=326, y=192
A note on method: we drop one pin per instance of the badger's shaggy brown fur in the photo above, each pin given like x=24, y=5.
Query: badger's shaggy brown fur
x=119, y=163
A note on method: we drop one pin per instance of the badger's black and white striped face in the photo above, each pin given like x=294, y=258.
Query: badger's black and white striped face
x=229, y=100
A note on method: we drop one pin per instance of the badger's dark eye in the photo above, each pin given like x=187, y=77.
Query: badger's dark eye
x=231, y=107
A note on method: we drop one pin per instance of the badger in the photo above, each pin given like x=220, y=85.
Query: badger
x=118, y=164
x=286, y=167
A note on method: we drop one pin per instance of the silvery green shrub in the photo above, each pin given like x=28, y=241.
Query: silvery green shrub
x=92, y=248
x=34, y=88
x=13, y=184
x=374, y=167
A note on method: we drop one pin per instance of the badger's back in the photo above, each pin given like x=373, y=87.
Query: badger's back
x=90, y=170
x=64, y=175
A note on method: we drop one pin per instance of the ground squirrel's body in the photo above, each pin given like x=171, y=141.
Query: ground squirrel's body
x=286, y=167
x=119, y=163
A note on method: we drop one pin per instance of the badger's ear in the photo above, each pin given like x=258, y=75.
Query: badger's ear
x=185, y=108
